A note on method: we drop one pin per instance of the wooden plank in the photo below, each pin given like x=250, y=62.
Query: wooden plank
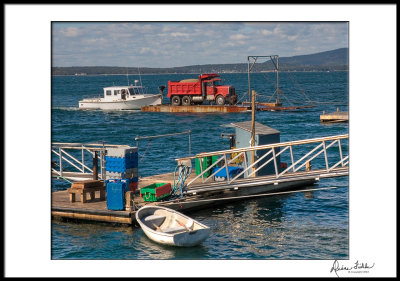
x=87, y=184
x=91, y=217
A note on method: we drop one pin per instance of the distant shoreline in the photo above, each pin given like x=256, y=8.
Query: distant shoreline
x=197, y=73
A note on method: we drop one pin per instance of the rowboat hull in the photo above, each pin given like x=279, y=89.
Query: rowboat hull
x=169, y=227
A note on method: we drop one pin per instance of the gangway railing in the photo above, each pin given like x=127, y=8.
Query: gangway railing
x=321, y=146
x=78, y=168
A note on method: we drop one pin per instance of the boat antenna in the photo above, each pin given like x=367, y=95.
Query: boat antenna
x=140, y=77
x=127, y=77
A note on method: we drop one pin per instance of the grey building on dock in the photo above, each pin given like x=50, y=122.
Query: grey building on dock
x=263, y=135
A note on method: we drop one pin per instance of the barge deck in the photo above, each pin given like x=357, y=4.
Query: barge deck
x=196, y=108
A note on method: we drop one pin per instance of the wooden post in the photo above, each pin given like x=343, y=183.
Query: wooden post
x=95, y=166
x=253, y=127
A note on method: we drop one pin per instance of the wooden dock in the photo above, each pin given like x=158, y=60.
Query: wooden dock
x=205, y=192
x=96, y=210
x=198, y=196
x=196, y=108
x=334, y=117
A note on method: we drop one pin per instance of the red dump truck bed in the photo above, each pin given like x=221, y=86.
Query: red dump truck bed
x=204, y=88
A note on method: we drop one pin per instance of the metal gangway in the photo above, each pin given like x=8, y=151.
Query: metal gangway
x=72, y=160
x=334, y=163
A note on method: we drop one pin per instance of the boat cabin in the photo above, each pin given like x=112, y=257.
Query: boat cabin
x=122, y=92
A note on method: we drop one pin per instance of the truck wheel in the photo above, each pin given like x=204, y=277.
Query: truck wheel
x=220, y=100
x=186, y=100
x=233, y=100
x=176, y=100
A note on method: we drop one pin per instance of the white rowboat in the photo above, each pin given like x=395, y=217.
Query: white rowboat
x=169, y=227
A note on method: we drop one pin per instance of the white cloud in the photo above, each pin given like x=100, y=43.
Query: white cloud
x=71, y=32
x=237, y=37
x=266, y=32
x=169, y=44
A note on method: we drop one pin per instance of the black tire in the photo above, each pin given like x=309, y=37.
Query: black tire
x=186, y=100
x=176, y=100
x=233, y=100
x=220, y=100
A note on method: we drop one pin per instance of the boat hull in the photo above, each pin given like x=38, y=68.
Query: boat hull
x=131, y=104
x=190, y=233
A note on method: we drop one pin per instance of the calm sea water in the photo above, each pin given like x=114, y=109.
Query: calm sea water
x=294, y=226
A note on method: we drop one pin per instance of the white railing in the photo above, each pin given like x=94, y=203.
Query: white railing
x=322, y=145
x=88, y=152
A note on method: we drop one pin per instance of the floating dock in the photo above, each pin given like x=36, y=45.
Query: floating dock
x=199, y=196
x=203, y=188
x=195, y=108
x=335, y=117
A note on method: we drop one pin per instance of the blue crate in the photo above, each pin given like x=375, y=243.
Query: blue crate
x=121, y=151
x=125, y=182
x=128, y=174
x=121, y=164
x=221, y=175
x=116, y=195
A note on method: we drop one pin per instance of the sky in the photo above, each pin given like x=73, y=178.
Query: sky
x=171, y=44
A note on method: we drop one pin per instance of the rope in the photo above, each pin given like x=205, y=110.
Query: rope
x=145, y=151
x=183, y=175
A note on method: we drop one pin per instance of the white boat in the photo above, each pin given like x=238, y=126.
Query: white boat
x=122, y=98
x=169, y=227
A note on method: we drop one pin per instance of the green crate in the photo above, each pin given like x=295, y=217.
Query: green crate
x=149, y=193
x=205, y=164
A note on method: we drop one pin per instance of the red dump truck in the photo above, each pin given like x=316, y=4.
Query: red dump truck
x=196, y=91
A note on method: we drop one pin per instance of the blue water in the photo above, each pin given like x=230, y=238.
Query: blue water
x=295, y=226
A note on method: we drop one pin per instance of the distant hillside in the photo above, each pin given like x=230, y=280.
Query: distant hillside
x=335, y=60
x=337, y=57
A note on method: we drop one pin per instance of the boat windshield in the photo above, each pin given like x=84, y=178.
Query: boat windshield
x=136, y=91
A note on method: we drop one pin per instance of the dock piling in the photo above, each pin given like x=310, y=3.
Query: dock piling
x=95, y=166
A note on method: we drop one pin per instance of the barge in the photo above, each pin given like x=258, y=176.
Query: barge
x=196, y=108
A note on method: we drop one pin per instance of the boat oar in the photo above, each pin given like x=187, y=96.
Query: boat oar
x=182, y=224
x=157, y=227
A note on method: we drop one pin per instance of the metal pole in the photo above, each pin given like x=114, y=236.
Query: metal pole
x=248, y=75
x=190, y=146
x=292, y=158
x=253, y=126
x=83, y=160
x=277, y=80
x=61, y=169
x=275, y=164
x=340, y=151
x=326, y=156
